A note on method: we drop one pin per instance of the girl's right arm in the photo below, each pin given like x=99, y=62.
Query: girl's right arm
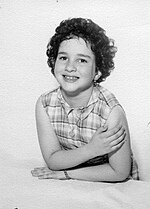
x=58, y=159
x=54, y=156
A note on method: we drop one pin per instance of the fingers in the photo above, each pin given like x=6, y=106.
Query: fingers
x=117, y=146
x=41, y=169
x=39, y=172
x=117, y=135
x=46, y=173
x=109, y=133
x=102, y=129
x=114, y=138
x=46, y=176
x=114, y=131
x=43, y=175
x=119, y=140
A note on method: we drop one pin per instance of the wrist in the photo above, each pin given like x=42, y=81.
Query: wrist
x=67, y=175
x=91, y=154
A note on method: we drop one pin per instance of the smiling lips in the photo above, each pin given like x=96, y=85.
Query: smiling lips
x=70, y=78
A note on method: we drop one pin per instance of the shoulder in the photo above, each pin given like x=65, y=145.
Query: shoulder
x=43, y=102
x=107, y=97
x=117, y=115
x=109, y=107
x=48, y=97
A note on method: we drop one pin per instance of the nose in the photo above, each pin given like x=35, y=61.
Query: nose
x=70, y=67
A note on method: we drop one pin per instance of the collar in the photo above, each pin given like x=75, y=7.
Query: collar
x=93, y=99
x=63, y=103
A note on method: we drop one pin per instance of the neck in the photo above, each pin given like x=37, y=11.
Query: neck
x=79, y=100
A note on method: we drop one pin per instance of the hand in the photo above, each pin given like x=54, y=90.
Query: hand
x=105, y=141
x=46, y=173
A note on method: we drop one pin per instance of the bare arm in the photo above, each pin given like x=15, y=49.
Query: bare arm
x=119, y=165
x=120, y=160
x=55, y=158
x=58, y=159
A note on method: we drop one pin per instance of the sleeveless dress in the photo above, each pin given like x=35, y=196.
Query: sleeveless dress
x=74, y=127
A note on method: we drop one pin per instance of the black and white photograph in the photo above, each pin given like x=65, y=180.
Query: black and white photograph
x=75, y=104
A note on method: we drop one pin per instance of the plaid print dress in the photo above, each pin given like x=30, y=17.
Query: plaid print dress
x=75, y=127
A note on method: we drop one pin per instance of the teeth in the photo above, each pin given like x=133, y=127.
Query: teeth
x=71, y=77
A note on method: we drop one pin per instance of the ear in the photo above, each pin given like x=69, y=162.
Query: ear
x=97, y=76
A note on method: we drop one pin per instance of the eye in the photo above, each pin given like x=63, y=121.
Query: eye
x=63, y=58
x=82, y=61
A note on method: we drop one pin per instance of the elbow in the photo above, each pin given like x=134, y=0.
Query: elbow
x=52, y=166
x=52, y=163
x=122, y=172
x=49, y=164
x=122, y=176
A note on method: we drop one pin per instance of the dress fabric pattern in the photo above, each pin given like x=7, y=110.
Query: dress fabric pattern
x=75, y=127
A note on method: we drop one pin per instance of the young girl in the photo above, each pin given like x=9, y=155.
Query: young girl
x=82, y=128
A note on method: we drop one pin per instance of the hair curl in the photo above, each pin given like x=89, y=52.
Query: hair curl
x=102, y=47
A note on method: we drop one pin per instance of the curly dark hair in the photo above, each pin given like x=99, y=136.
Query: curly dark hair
x=102, y=46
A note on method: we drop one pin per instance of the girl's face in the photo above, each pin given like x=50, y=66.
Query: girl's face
x=75, y=66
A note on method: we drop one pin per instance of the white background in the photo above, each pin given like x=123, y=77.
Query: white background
x=25, y=29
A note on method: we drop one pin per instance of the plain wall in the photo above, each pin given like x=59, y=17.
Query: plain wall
x=25, y=29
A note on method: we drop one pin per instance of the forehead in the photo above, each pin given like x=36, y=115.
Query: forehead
x=75, y=45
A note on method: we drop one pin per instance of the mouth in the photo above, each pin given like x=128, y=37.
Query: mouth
x=70, y=78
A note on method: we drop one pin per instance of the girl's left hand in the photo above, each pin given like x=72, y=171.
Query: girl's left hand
x=46, y=173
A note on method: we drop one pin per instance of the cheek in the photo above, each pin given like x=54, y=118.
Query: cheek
x=57, y=68
x=56, y=71
x=90, y=72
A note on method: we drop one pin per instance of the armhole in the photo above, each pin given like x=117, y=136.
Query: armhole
x=111, y=109
x=45, y=99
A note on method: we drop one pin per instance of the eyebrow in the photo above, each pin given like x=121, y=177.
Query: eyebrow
x=80, y=55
